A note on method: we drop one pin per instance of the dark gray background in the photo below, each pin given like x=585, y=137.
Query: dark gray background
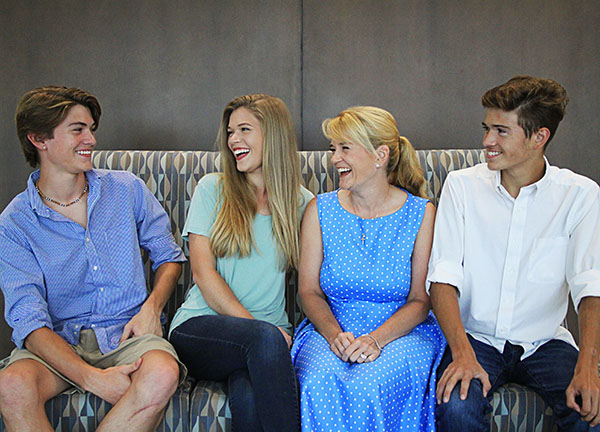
x=164, y=70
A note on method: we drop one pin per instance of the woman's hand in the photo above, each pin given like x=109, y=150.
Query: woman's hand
x=362, y=350
x=342, y=341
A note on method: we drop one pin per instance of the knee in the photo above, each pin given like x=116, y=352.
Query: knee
x=159, y=381
x=268, y=340
x=459, y=414
x=16, y=385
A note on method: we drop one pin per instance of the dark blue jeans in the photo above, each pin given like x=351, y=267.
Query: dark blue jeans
x=253, y=358
x=548, y=372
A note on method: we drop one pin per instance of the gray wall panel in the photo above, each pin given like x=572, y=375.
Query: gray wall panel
x=428, y=62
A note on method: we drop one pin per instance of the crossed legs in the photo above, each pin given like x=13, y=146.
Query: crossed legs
x=26, y=385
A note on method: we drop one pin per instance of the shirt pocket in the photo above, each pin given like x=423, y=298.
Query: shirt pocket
x=548, y=260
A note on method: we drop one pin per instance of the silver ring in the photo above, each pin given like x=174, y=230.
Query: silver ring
x=363, y=356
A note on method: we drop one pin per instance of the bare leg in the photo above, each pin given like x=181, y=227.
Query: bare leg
x=141, y=407
x=25, y=386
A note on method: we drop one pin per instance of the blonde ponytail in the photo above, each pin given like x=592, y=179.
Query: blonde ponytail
x=406, y=171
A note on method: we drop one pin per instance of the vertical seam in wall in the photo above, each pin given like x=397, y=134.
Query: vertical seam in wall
x=301, y=74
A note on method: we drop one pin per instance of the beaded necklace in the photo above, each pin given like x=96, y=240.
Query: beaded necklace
x=76, y=200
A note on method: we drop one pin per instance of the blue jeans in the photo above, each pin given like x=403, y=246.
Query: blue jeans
x=253, y=358
x=548, y=372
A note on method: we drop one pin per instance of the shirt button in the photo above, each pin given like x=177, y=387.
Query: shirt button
x=101, y=289
x=87, y=239
x=93, y=325
x=95, y=268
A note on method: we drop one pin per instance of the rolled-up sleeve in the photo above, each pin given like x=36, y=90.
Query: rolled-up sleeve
x=583, y=258
x=154, y=229
x=22, y=284
x=445, y=263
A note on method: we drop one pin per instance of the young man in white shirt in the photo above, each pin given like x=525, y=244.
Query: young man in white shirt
x=513, y=238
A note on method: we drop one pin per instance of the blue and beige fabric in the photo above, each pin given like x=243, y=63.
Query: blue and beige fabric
x=202, y=406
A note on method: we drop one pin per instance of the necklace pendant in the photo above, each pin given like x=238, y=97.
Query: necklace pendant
x=363, y=239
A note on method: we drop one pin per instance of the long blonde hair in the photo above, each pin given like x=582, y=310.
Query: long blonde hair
x=372, y=127
x=231, y=233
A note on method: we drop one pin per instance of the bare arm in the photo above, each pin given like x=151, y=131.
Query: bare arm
x=110, y=384
x=585, y=382
x=314, y=301
x=214, y=289
x=147, y=320
x=464, y=366
x=417, y=305
x=216, y=292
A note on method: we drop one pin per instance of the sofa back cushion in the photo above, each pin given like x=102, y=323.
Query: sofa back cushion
x=172, y=177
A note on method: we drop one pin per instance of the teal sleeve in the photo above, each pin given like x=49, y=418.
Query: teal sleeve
x=203, y=207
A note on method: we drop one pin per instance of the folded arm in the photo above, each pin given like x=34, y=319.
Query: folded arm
x=109, y=384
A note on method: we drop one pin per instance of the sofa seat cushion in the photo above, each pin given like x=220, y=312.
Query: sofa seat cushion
x=515, y=408
x=209, y=409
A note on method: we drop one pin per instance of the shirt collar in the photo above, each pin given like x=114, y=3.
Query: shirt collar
x=538, y=185
x=38, y=206
x=34, y=198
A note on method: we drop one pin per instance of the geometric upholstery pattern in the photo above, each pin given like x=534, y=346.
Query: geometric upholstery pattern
x=202, y=406
x=515, y=408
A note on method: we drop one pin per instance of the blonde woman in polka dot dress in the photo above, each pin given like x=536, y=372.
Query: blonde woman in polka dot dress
x=367, y=353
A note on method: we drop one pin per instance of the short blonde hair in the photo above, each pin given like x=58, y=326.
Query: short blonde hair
x=372, y=127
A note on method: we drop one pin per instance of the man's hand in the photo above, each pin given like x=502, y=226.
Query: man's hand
x=342, y=341
x=586, y=384
x=111, y=384
x=462, y=369
x=146, y=321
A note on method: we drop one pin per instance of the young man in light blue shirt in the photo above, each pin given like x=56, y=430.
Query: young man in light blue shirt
x=72, y=275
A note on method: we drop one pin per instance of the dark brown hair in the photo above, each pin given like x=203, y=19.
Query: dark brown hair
x=42, y=109
x=539, y=102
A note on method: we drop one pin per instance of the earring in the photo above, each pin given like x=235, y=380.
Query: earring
x=44, y=147
x=377, y=165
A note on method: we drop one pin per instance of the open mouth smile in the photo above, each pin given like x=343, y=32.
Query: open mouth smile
x=240, y=153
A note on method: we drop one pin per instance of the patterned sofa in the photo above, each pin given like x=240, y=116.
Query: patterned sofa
x=202, y=406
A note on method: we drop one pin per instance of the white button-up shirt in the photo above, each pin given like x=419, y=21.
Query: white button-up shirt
x=513, y=261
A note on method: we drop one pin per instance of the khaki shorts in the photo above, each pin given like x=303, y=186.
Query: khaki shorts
x=127, y=352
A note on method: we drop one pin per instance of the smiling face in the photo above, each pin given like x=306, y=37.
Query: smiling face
x=70, y=149
x=355, y=164
x=506, y=145
x=245, y=140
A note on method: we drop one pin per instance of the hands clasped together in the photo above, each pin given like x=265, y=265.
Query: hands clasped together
x=362, y=349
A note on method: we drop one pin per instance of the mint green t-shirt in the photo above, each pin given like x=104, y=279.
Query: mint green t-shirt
x=257, y=280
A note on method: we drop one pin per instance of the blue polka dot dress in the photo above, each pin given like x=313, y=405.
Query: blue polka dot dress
x=366, y=281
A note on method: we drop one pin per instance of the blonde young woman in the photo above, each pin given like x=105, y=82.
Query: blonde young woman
x=242, y=229
x=366, y=357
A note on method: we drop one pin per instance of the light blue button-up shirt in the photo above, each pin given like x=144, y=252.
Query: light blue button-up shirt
x=56, y=274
